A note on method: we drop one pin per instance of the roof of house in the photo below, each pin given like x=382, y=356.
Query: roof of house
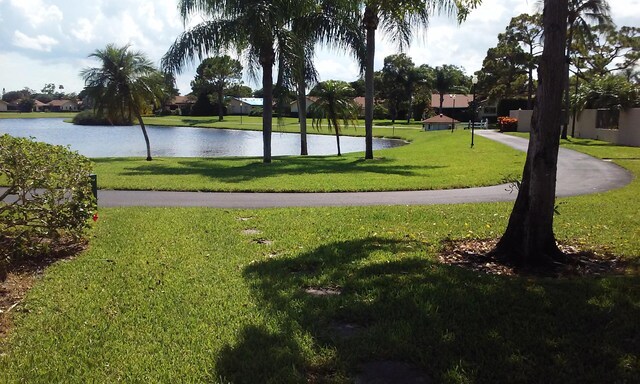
x=309, y=98
x=442, y=119
x=39, y=103
x=183, y=100
x=4, y=102
x=461, y=100
x=59, y=103
x=252, y=101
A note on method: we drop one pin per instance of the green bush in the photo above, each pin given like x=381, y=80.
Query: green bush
x=48, y=200
x=89, y=117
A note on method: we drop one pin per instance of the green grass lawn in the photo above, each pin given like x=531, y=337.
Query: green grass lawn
x=286, y=124
x=36, y=115
x=433, y=160
x=189, y=295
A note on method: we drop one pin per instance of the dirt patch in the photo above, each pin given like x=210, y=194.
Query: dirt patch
x=22, y=275
x=477, y=255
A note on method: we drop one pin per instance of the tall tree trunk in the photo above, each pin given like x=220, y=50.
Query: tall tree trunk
x=302, y=116
x=338, y=139
x=567, y=99
x=529, y=238
x=220, y=109
x=144, y=133
x=530, y=81
x=267, y=60
x=575, y=110
x=370, y=22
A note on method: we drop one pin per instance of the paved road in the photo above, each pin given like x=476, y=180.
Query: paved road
x=577, y=174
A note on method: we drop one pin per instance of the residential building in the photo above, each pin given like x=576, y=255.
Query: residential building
x=243, y=105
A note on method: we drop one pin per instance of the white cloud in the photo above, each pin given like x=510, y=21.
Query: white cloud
x=49, y=40
x=42, y=43
x=83, y=30
x=37, y=12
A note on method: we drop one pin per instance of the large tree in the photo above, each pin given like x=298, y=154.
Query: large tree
x=529, y=239
x=449, y=78
x=123, y=85
x=582, y=14
x=335, y=24
x=396, y=74
x=216, y=75
x=398, y=18
x=527, y=30
x=504, y=70
x=258, y=28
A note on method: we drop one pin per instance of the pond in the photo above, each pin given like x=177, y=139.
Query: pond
x=110, y=141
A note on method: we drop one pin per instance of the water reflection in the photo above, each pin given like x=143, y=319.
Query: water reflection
x=108, y=141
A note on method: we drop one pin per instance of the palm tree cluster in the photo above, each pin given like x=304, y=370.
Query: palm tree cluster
x=286, y=32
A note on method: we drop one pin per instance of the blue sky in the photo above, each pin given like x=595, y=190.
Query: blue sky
x=47, y=41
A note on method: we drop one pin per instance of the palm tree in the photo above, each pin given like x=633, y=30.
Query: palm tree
x=123, y=85
x=258, y=28
x=397, y=18
x=335, y=24
x=581, y=14
x=334, y=104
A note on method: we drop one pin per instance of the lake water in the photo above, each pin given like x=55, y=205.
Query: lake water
x=110, y=141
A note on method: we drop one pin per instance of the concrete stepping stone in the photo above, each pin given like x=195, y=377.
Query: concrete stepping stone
x=391, y=372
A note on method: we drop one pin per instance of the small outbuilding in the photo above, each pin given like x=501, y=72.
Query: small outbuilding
x=438, y=123
x=4, y=106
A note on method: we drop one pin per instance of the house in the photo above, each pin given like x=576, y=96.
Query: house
x=619, y=127
x=63, y=106
x=181, y=103
x=438, y=123
x=294, y=105
x=243, y=105
x=359, y=101
x=454, y=105
x=39, y=106
x=4, y=106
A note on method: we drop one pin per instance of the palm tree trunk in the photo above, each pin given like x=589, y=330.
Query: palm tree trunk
x=267, y=61
x=336, y=127
x=370, y=21
x=529, y=238
x=530, y=82
x=567, y=99
x=302, y=117
x=220, y=109
x=144, y=133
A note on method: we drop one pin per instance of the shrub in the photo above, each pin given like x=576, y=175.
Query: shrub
x=89, y=117
x=507, y=124
x=48, y=200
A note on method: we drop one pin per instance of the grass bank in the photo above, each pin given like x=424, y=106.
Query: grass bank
x=433, y=160
x=37, y=115
x=210, y=295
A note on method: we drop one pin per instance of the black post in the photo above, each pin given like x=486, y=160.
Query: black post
x=473, y=115
x=94, y=185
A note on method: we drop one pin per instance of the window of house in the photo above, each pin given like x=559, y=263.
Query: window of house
x=607, y=118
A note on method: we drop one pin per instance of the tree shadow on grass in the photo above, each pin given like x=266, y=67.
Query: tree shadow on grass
x=454, y=324
x=238, y=170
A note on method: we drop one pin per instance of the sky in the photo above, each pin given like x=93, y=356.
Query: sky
x=44, y=41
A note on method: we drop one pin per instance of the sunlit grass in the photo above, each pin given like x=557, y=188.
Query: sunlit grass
x=433, y=160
